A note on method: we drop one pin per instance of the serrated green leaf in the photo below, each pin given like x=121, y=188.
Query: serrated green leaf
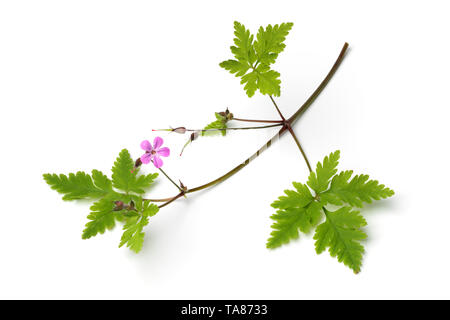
x=250, y=82
x=125, y=176
x=102, y=217
x=290, y=221
x=149, y=209
x=268, y=82
x=75, y=186
x=298, y=212
x=356, y=191
x=270, y=42
x=320, y=180
x=122, y=174
x=294, y=199
x=255, y=57
x=101, y=181
x=133, y=235
x=341, y=234
x=243, y=49
x=235, y=67
x=142, y=182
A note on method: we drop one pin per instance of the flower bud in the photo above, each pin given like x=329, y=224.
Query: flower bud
x=179, y=130
x=227, y=115
x=194, y=135
x=138, y=163
x=119, y=205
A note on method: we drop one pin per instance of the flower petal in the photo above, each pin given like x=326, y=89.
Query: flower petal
x=146, y=145
x=157, y=161
x=157, y=142
x=145, y=158
x=165, y=152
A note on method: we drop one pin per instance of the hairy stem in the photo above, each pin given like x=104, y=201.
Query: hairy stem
x=290, y=121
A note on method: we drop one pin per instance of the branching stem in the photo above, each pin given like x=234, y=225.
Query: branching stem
x=276, y=107
x=291, y=131
x=285, y=127
x=170, y=200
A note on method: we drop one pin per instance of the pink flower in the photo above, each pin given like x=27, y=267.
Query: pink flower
x=155, y=152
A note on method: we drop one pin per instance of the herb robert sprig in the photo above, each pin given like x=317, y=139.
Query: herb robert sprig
x=326, y=202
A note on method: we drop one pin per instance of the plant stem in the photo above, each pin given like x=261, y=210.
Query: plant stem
x=277, y=124
x=300, y=147
x=172, y=199
x=276, y=107
x=290, y=121
x=320, y=88
x=287, y=124
x=173, y=182
x=262, y=121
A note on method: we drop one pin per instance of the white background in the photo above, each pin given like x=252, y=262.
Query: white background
x=80, y=80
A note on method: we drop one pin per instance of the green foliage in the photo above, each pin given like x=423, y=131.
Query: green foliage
x=102, y=217
x=302, y=209
x=122, y=171
x=133, y=235
x=126, y=187
x=77, y=186
x=319, y=180
x=220, y=123
x=356, y=191
x=340, y=233
x=254, y=57
x=124, y=175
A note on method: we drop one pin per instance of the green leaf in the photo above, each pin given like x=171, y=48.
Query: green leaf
x=124, y=175
x=341, y=234
x=133, y=235
x=102, y=181
x=250, y=81
x=355, y=192
x=253, y=58
x=220, y=123
x=149, y=209
x=102, y=217
x=142, y=182
x=268, y=82
x=298, y=212
x=270, y=42
x=243, y=49
x=77, y=186
x=294, y=199
x=319, y=180
x=240, y=68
